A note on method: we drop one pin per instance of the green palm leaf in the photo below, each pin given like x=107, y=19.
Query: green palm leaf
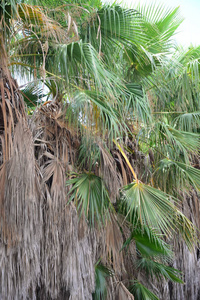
x=121, y=24
x=81, y=59
x=90, y=197
x=165, y=22
x=172, y=143
x=137, y=103
x=149, y=243
x=149, y=206
x=33, y=95
x=187, y=231
x=140, y=292
x=101, y=273
x=153, y=268
x=177, y=175
x=186, y=141
x=188, y=121
x=191, y=173
x=97, y=112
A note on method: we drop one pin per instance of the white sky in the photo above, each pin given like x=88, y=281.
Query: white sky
x=189, y=31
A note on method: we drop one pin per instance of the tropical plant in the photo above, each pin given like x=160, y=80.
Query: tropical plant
x=95, y=154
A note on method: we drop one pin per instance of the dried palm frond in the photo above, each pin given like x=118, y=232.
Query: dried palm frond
x=11, y=104
x=123, y=293
x=36, y=18
x=21, y=219
x=112, y=245
x=110, y=174
x=67, y=249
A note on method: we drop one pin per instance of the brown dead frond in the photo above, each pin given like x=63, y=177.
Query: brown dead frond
x=123, y=293
x=21, y=218
x=53, y=136
x=113, y=244
x=109, y=173
x=67, y=249
x=11, y=104
x=36, y=17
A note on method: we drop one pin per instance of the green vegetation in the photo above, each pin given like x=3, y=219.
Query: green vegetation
x=97, y=149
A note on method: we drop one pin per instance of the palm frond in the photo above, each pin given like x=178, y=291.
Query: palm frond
x=35, y=19
x=165, y=22
x=148, y=206
x=140, y=292
x=81, y=59
x=145, y=205
x=90, y=197
x=96, y=113
x=186, y=140
x=101, y=273
x=8, y=9
x=187, y=230
x=192, y=174
x=153, y=268
x=149, y=243
x=188, y=122
x=89, y=144
x=175, y=83
x=136, y=103
x=119, y=24
x=100, y=161
x=177, y=175
x=33, y=95
x=172, y=143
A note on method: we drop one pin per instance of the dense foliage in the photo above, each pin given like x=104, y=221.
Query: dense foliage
x=109, y=119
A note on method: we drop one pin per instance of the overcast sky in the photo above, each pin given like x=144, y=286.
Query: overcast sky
x=189, y=31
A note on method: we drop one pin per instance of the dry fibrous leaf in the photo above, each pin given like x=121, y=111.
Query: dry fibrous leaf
x=112, y=242
x=66, y=250
x=21, y=219
x=108, y=170
x=123, y=293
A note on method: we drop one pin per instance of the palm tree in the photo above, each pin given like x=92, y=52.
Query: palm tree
x=84, y=213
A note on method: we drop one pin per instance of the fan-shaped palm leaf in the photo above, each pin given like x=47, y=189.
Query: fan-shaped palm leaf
x=153, y=268
x=177, y=175
x=188, y=121
x=148, y=206
x=33, y=95
x=165, y=21
x=174, y=144
x=101, y=273
x=90, y=196
x=137, y=103
x=149, y=243
x=140, y=292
